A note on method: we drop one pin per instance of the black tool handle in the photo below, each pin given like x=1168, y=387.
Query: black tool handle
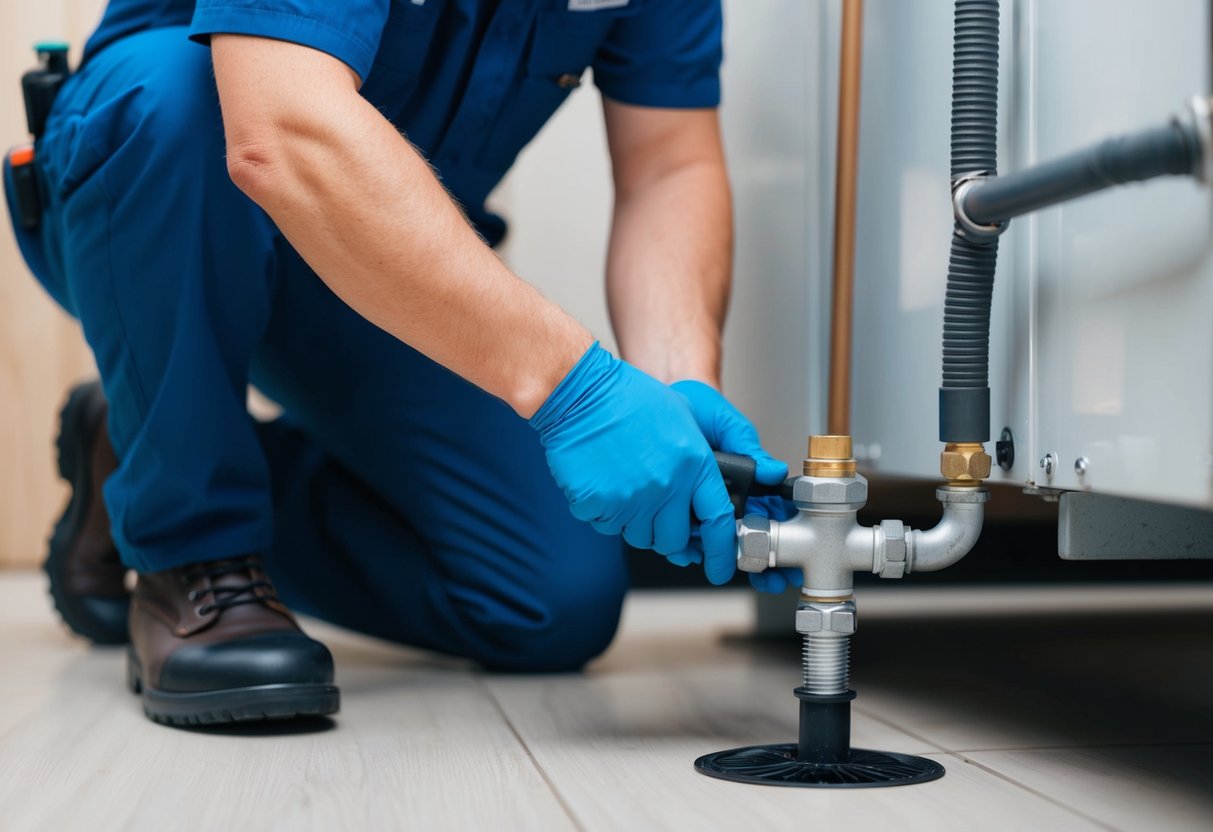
x=739, y=472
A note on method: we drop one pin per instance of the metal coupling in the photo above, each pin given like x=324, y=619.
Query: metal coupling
x=890, y=548
x=825, y=617
x=954, y=535
x=827, y=628
x=966, y=227
x=1200, y=113
x=840, y=494
x=965, y=463
x=830, y=456
x=757, y=540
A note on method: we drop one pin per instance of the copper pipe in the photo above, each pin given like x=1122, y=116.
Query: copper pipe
x=843, y=300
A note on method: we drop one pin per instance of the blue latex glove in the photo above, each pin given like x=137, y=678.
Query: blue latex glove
x=727, y=429
x=631, y=459
x=774, y=580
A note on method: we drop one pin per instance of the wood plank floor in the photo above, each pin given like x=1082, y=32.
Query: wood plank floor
x=1050, y=710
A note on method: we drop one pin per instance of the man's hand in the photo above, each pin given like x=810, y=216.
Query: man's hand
x=631, y=459
x=727, y=429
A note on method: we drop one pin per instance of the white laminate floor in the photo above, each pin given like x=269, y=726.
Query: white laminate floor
x=1076, y=708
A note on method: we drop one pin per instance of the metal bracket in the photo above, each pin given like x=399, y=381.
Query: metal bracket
x=1102, y=527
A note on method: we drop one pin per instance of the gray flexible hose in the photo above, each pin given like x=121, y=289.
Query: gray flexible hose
x=964, y=398
x=1171, y=149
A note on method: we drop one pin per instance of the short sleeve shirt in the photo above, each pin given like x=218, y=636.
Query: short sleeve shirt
x=470, y=82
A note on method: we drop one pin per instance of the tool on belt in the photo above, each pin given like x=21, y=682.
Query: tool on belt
x=39, y=86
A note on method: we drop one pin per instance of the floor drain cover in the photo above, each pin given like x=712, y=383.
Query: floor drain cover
x=776, y=765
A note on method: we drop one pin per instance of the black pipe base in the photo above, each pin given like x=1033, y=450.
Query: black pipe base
x=823, y=758
x=776, y=765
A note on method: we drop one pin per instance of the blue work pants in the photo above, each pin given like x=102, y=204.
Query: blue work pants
x=392, y=497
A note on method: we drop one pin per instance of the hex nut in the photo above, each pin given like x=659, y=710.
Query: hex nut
x=965, y=464
x=893, y=565
x=833, y=618
x=754, y=544
x=808, y=620
x=842, y=621
x=830, y=490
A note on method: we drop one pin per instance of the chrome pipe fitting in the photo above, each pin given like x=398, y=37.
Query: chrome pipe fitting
x=955, y=534
x=965, y=225
x=826, y=541
x=827, y=665
x=1200, y=113
x=826, y=627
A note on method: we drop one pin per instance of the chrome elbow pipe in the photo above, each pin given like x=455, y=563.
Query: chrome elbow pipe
x=954, y=535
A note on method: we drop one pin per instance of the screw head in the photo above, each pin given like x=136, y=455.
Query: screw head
x=1004, y=450
x=1080, y=465
x=1048, y=462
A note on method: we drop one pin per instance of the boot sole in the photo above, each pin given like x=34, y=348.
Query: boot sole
x=217, y=707
x=73, y=468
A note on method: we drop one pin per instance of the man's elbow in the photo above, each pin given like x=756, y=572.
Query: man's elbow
x=255, y=165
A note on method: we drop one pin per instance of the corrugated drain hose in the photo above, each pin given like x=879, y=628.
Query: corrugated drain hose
x=964, y=398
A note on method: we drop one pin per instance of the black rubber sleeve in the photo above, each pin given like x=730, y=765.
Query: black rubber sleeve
x=964, y=398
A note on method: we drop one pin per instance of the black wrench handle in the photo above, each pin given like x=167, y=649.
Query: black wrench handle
x=739, y=473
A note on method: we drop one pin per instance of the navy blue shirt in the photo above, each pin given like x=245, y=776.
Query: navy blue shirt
x=470, y=82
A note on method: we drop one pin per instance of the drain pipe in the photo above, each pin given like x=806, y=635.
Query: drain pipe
x=1181, y=147
x=964, y=398
x=984, y=203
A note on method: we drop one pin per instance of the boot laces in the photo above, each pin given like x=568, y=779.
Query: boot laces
x=234, y=595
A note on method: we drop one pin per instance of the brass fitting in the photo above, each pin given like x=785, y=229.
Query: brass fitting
x=964, y=463
x=829, y=456
x=806, y=597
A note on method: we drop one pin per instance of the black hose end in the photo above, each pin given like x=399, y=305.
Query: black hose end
x=964, y=414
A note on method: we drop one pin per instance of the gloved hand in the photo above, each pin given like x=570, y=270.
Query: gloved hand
x=631, y=459
x=727, y=429
x=779, y=579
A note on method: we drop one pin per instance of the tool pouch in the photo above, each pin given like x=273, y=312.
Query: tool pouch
x=21, y=187
x=40, y=85
x=21, y=190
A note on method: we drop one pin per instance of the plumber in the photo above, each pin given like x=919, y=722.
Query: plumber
x=291, y=193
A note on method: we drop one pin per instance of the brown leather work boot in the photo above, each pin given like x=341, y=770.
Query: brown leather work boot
x=87, y=579
x=211, y=642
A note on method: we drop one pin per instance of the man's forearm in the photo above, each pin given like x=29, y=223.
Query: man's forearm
x=669, y=271
x=369, y=216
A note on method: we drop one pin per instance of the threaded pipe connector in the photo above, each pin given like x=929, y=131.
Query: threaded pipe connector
x=827, y=663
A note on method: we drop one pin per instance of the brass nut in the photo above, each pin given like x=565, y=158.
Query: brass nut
x=965, y=462
x=830, y=447
x=829, y=456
